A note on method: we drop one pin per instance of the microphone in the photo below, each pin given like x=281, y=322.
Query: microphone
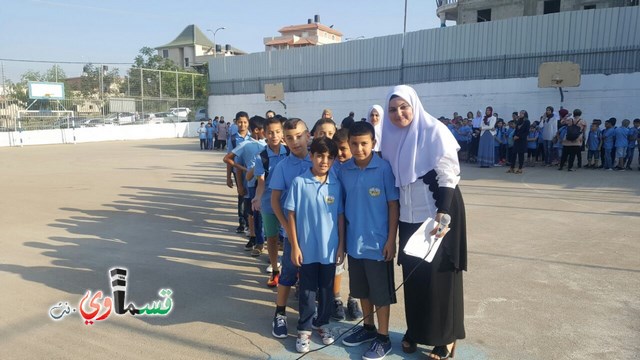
x=445, y=220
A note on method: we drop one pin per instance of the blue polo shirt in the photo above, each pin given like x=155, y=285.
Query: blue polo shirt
x=285, y=172
x=367, y=193
x=259, y=170
x=622, y=137
x=607, y=138
x=238, y=139
x=593, y=142
x=246, y=153
x=633, y=134
x=210, y=131
x=317, y=206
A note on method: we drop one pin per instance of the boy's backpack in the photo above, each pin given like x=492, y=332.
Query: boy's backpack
x=573, y=131
x=264, y=156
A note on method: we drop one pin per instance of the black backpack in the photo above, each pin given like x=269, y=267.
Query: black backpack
x=264, y=156
x=573, y=131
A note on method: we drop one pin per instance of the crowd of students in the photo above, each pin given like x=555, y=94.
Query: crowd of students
x=556, y=139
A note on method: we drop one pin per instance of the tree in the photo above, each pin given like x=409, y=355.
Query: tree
x=90, y=83
x=20, y=90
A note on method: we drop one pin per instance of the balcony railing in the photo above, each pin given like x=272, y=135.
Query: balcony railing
x=445, y=2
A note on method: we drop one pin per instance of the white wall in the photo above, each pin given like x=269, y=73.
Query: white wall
x=102, y=133
x=599, y=96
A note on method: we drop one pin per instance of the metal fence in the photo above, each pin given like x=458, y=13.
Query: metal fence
x=102, y=97
x=605, y=41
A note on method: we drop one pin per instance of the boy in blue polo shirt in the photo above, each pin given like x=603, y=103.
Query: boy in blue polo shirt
x=371, y=212
x=315, y=225
x=608, y=136
x=594, y=144
x=622, y=143
x=241, y=134
x=296, y=136
x=266, y=162
x=633, y=140
x=245, y=154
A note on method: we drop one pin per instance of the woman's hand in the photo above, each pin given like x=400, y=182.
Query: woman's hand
x=437, y=224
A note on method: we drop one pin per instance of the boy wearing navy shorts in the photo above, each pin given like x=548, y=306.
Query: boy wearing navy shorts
x=371, y=213
x=296, y=136
x=316, y=231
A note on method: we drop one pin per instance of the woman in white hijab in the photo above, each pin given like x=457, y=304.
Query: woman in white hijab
x=423, y=155
x=374, y=117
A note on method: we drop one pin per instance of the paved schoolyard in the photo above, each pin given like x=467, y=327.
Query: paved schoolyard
x=554, y=259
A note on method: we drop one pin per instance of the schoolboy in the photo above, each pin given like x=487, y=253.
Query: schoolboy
x=236, y=137
x=608, y=136
x=211, y=129
x=315, y=225
x=296, y=136
x=594, y=143
x=246, y=153
x=498, y=139
x=634, y=132
x=622, y=143
x=266, y=162
x=341, y=139
x=371, y=213
x=324, y=127
x=464, y=133
x=202, y=134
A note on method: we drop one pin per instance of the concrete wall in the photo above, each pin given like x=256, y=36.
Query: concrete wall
x=599, y=96
x=102, y=133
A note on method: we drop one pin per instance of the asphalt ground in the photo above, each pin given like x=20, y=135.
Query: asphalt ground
x=554, y=260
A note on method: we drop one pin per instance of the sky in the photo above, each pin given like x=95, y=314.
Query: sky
x=114, y=31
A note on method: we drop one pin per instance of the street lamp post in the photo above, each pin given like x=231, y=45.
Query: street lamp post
x=214, y=38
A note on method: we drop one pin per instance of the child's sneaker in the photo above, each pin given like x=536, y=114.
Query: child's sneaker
x=280, y=327
x=337, y=312
x=273, y=279
x=270, y=267
x=378, y=350
x=257, y=250
x=302, y=343
x=359, y=336
x=250, y=244
x=326, y=335
x=353, y=309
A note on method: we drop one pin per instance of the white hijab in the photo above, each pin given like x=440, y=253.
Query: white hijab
x=377, y=128
x=416, y=149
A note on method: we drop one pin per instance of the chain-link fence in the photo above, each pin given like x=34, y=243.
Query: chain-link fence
x=102, y=96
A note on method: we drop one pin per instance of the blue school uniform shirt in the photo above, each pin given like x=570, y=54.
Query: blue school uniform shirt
x=633, y=135
x=246, y=154
x=622, y=137
x=499, y=137
x=317, y=206
x=238, y=140
x=202, y=133
x=464, y=133
x=259, y=170
x=563, y=134
x=367, y=193
x=285, y=172
x=532, y=144
x=608, y=136
x=510, y=134
x=209, y=131
x=593, y=141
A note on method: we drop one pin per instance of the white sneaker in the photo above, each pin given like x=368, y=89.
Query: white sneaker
x=270, y=268
x=326, y=335
x=303, y=341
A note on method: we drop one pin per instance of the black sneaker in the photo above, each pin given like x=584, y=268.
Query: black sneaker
x=250, y=244
x=240, y=229
x=353, y=310
x=337, y=312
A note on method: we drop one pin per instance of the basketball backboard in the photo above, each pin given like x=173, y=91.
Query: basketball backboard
x=558, y=74
x=273, y=92
x=46, y=90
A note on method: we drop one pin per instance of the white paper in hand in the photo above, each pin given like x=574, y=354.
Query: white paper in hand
x=421, y=244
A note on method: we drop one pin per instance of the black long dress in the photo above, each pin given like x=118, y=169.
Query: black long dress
x=433, y=293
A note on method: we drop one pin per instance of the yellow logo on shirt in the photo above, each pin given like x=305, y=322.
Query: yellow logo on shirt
x=374, y=191
x=330, y=199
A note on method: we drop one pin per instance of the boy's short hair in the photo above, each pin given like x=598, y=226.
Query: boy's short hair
x=636, y=121
x=202, y=123
x=609, y=122
x=322, y=122
x=577, y=112
x=511, y=122
x=597, y=121
x=341, y=136
x=292, y=124
x=550, y=108
x=272, y=121
x=362, y=128
x=256, y=122
x=323, y=145
x=613, y=121
x=625, y=122
x=514, y=113
x=240, y=114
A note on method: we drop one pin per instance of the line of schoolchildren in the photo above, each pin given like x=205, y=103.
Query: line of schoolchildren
x=608, y=147
x=214, y=134
x=328, y=208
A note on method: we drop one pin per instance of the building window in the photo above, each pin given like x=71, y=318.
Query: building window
x=484, y=15
x=589, y=7
x=165, y=53
x=186, y=62
x=551, y=6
